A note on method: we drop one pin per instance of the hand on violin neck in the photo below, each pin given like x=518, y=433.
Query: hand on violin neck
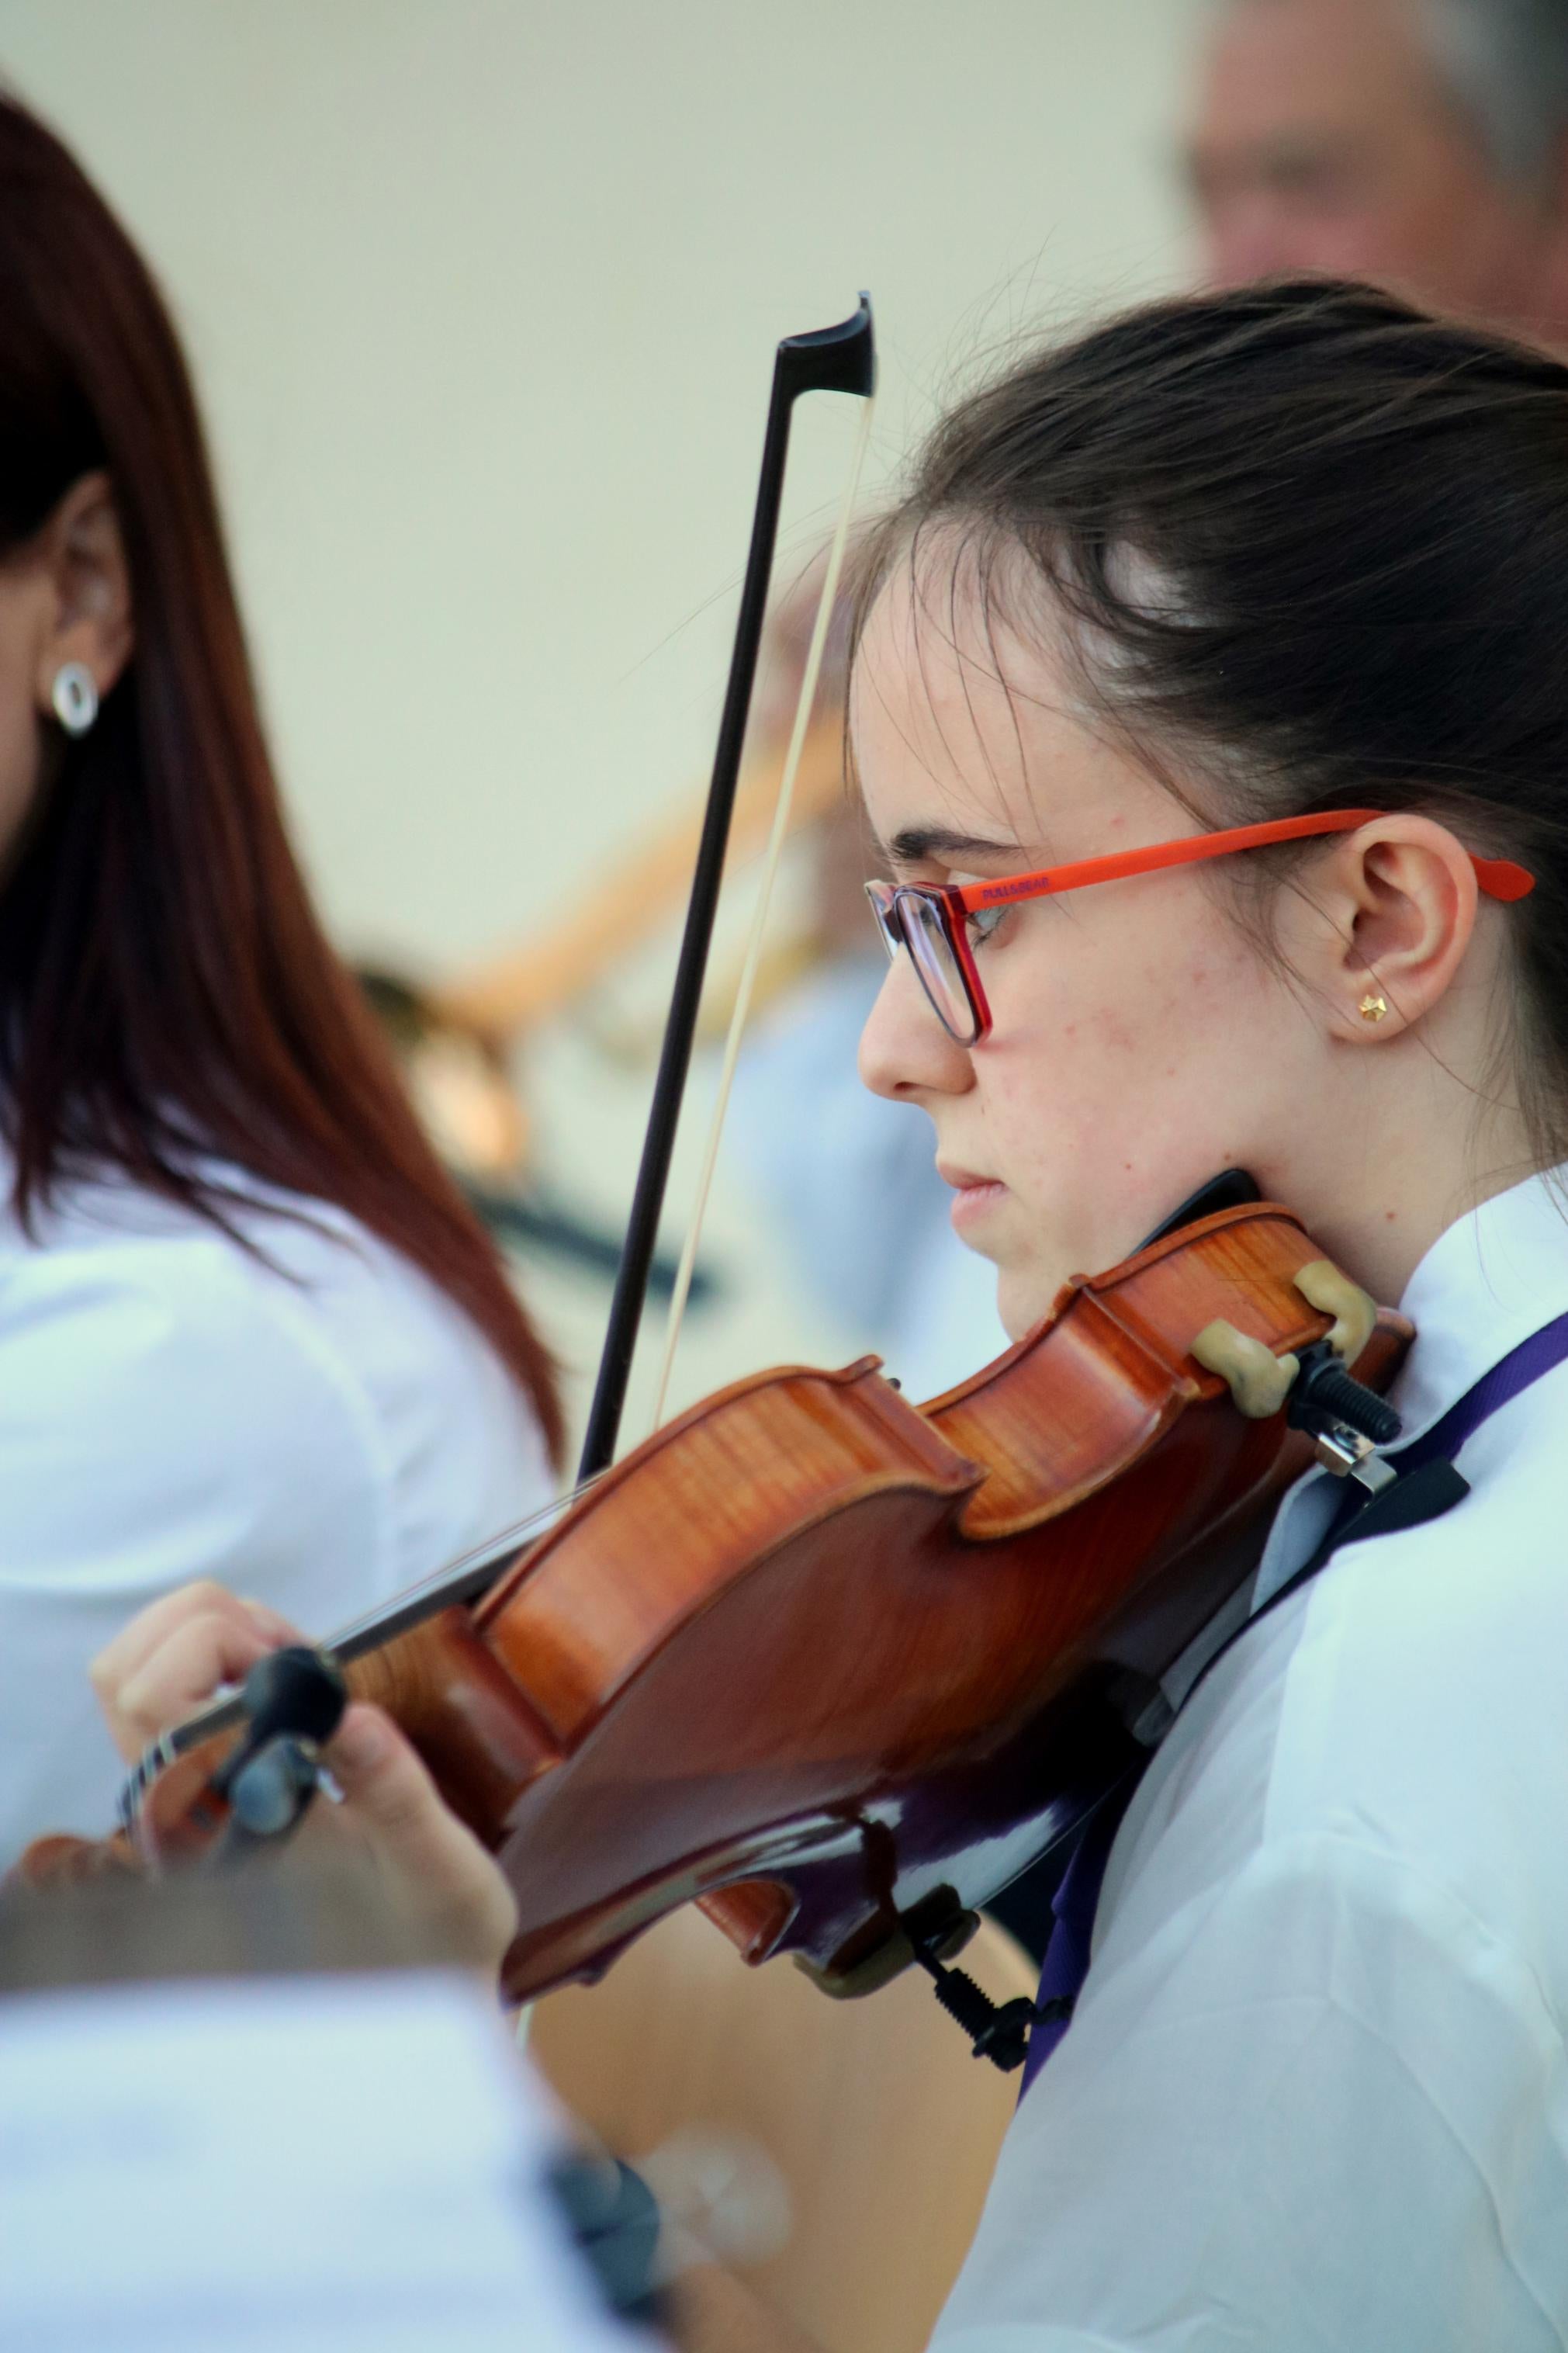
x=175, y=1655
x=172, y=1658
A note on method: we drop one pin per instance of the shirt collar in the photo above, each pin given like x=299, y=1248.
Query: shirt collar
x=1494, y=1277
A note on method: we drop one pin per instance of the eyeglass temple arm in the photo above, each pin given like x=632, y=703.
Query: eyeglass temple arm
x=1498, y=878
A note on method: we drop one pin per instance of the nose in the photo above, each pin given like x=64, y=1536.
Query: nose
x=905, y=1052
x=1252, y=238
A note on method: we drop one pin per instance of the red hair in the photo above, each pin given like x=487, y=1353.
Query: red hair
x=166, y=991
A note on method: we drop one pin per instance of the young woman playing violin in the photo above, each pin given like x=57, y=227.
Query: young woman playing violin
x=247, y=1326
x=1226, y=565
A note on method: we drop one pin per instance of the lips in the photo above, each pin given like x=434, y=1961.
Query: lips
x=962, y=1180
x=975, y=1198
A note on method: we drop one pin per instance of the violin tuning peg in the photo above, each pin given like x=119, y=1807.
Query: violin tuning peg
x=1323, y=1286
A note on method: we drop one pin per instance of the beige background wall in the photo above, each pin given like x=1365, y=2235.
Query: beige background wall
x=482, y=296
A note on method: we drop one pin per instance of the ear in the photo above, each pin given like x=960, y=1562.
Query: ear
x=1401, y=897
x=81, y=553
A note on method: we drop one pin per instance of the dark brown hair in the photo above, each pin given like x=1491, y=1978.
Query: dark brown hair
x=165, y=989
x=1311, y=547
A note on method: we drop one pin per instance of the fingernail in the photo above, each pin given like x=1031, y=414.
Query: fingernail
x=268, y=1620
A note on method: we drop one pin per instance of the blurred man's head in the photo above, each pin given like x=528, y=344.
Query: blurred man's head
x=1420, y=143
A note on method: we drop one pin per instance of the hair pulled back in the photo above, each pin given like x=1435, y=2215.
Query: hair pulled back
x=165, y=989
x=1311, y=547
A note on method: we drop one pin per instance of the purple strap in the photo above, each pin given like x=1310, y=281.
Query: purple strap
x=1073, y=1909
x=1518, y=1370
x=1078, y=1895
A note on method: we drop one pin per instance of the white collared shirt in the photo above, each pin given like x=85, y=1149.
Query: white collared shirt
x=1315, y=2099
x=316, y=1432
x=415, y=2217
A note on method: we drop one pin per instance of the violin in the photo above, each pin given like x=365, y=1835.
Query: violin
x=833, y=1666
x=839, y=1667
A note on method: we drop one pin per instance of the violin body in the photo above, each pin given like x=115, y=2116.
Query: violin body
x=840, y=1667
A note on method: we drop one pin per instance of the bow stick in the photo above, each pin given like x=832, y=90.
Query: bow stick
x=833, y=359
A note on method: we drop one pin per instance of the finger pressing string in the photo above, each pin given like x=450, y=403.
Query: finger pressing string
x=151, y=1628
x=212, y=1646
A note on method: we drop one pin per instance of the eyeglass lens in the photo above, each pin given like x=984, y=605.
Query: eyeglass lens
x=906, y=918
x=936, y=965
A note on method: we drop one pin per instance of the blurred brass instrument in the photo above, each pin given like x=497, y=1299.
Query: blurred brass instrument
x=503, y=999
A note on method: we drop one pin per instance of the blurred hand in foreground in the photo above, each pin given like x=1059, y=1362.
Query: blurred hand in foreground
x=169, y=1661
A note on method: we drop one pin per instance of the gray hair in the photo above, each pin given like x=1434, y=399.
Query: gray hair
x=1506, y=63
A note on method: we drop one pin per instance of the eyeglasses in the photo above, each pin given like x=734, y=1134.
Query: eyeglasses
x=932, y=920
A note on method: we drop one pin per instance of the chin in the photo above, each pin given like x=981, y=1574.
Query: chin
x=1027, y=1291
x=1021, y=1303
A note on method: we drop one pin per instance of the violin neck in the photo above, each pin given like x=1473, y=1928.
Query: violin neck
x=459, y=1582
x=463, y=1581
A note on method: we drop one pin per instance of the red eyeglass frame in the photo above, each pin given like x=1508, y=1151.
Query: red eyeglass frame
x=1498, y=878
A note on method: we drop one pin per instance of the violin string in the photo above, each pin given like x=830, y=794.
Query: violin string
x=464, y=1579
x=802, y=711
x=456, y=1580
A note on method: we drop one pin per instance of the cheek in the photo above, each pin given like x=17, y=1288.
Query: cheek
x=1446, y=234
x=1151, y=989
x=1121, y=1077
x=19, y=766
x=1141, y=1054
x=20, y=738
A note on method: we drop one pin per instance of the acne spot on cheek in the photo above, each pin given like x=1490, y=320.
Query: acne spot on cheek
x=1116, y=1036
x=1391, y=1217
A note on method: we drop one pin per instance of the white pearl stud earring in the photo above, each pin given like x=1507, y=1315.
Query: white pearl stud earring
x=75, y=696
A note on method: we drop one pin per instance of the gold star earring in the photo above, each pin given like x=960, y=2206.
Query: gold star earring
x=1372, y=1008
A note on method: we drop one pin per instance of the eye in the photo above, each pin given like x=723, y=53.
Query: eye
x=982, y=924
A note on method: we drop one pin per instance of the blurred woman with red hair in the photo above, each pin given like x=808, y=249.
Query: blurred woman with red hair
x=247, y=1328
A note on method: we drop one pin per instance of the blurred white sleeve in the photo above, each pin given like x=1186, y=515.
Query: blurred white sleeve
x=158, y=1423
x=290, y=2165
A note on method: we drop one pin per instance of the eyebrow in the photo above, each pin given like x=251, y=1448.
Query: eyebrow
x=916, y=844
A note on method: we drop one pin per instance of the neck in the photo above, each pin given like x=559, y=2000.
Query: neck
x=1429, y=1154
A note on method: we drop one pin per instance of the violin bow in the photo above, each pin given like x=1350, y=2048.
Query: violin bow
x=833, y=359
x=841, y=358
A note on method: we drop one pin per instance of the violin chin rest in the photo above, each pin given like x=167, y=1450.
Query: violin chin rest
x=951, y=1929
